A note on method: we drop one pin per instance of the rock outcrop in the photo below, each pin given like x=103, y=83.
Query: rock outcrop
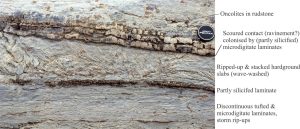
x=106, y=64
x=153, y=25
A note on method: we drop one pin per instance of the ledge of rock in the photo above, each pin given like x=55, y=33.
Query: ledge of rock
x=153, y=25
x=106, y=64
x=38, y=60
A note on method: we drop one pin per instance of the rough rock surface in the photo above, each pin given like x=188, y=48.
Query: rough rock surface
x=106, y=107
x=106, y=64
x=41, y=60
x=153, y=25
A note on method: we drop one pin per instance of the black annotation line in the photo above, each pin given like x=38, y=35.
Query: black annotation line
x=218, y=49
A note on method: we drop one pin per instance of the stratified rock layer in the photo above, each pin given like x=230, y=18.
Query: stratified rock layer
x=105, y=107
x=153, y=25
x=106, y=64
x=41, y=60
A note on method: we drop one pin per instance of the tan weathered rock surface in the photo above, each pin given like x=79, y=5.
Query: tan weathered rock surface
x=106, y=64
x=155, y=22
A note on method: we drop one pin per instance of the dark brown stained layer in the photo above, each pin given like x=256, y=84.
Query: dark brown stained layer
x=173, y=84
x=72, y=83
x=122, y=83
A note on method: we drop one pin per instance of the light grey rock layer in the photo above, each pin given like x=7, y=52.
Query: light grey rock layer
x=105, y=107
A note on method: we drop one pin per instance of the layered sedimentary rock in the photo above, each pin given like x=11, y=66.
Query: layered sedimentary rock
x=37, y=60
x=105, y=107
x=74, y=63
x=152, y=26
